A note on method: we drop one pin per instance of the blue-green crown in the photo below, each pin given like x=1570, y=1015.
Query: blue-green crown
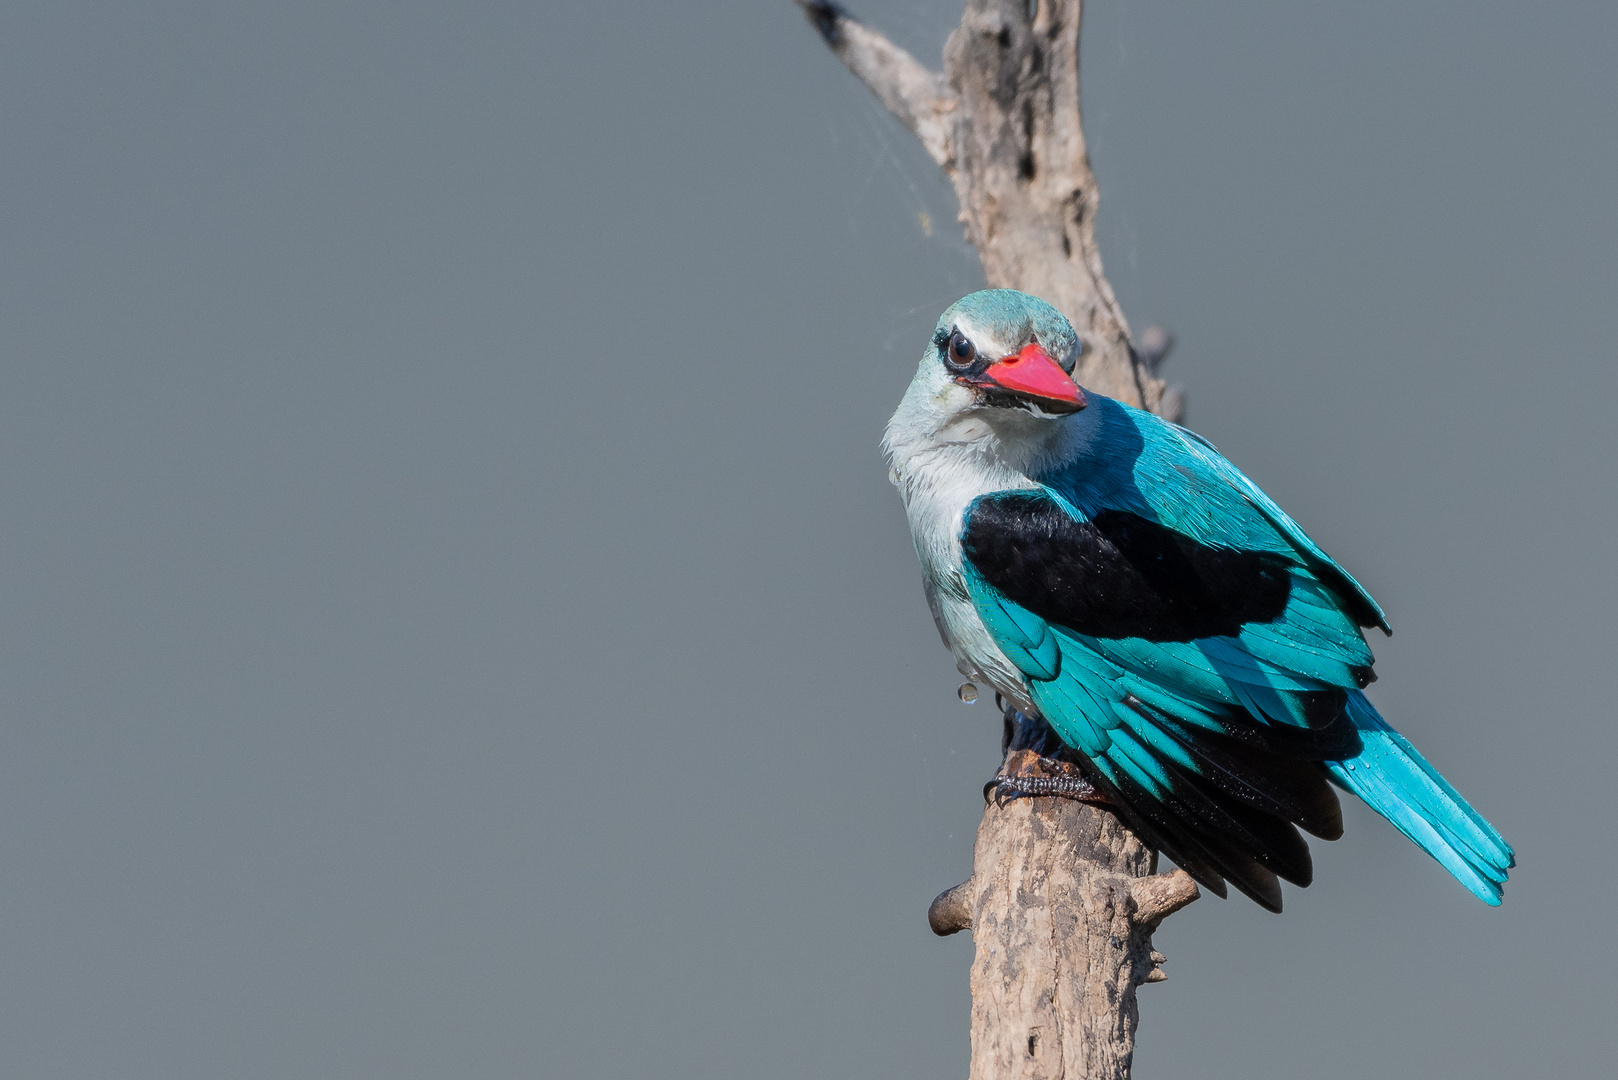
x=1014, y=318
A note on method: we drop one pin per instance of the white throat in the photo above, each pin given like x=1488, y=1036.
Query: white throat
x=942, y=454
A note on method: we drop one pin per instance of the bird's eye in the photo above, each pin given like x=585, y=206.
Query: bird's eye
x=961, y=351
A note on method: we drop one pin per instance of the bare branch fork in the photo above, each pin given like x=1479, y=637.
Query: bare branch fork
x=1063, y=897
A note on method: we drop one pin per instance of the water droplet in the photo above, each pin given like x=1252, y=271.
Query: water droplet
x=967, y=693
x=1350, y=766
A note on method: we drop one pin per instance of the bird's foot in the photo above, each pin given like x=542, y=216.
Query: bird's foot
x=1026, y=774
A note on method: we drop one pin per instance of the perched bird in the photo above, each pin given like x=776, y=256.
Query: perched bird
x=1112, y=574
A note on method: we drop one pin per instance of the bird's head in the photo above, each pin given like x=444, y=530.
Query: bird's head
x=1000, y=349
x=996, y=377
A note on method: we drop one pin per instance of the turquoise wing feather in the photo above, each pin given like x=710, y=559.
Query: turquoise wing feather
x=1216, y=743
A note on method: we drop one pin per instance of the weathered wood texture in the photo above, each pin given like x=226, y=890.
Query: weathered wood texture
x=1064, y=901
x=1063, y=897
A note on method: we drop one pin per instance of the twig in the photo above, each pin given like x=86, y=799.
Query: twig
x=918, y=97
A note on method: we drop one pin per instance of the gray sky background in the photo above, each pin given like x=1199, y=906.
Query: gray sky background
x=456, y=621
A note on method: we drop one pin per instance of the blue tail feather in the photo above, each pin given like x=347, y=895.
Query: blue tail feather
x=1398, y=783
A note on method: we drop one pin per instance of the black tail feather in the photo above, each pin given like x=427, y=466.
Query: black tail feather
x=1269, y=840
x=1290, y=788
x=1209, y=858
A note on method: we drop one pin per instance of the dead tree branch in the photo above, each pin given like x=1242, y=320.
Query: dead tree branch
x=1063, y=897
x=918, y=97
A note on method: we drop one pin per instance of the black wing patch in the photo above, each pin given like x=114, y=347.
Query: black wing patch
x=1119, y=575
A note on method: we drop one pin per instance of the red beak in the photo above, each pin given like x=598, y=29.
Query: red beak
x=1033, y=375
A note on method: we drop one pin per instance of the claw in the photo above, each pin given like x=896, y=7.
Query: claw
x=1009, y=788
x=1036, y=764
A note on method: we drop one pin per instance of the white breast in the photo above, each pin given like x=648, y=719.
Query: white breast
x=937, y=484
